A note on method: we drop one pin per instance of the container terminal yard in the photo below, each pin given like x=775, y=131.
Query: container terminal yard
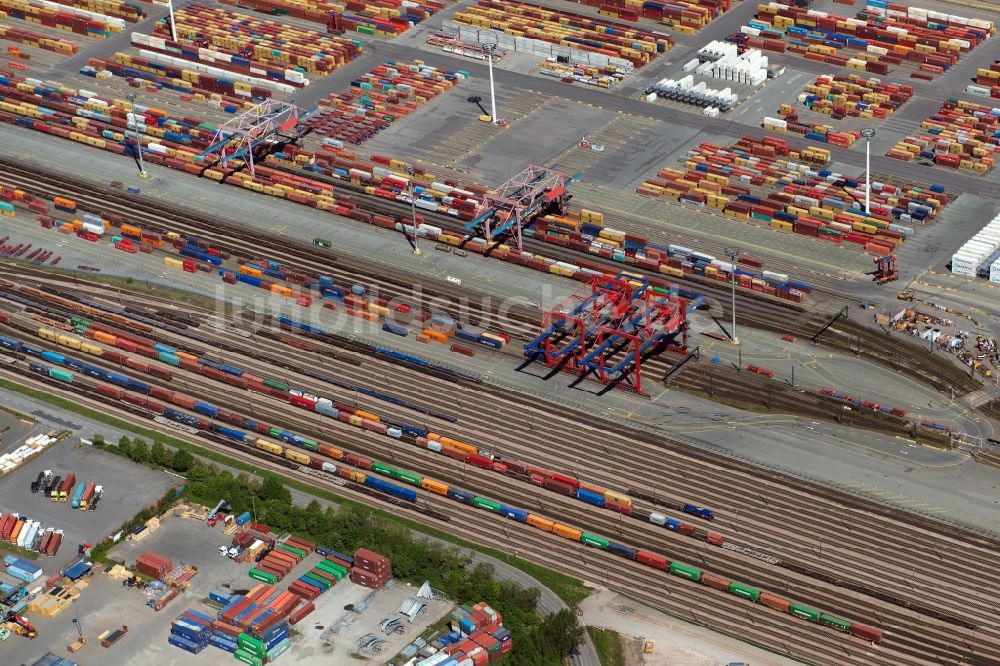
x=691, y=303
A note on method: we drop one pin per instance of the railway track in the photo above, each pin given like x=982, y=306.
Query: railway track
x=532, y=450
x=760, y=312
x=703, y=605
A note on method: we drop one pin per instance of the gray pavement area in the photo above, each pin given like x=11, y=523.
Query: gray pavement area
x=127, y=488
x=15, y=429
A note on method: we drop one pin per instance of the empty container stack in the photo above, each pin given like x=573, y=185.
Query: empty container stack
x=979, y=252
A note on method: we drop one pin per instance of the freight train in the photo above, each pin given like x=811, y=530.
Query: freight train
x=421, y=437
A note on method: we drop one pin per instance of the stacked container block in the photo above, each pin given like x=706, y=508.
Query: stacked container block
x=153, y=565
x=684, y=16
x=875, y=45
x=572, y=30
x=370, y=569
x=379, y=98
x=806, y=201
x=385, y=18
x=839, y=96
x=246, y=45
x=191, y=631
x=20, y=36
x=96, y=18
x=960, y=135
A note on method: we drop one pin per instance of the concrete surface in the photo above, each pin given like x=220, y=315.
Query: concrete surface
x=127, y=488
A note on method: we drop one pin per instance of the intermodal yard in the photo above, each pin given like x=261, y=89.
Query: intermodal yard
x=688, y=306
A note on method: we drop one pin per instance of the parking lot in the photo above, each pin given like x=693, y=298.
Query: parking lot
x=127, y=488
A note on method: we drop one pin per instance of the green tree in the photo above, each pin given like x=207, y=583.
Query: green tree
x=140, y=451
x=183, y=461
x=273, y=489
x=125, y=447
x=160, y=454
x=98, y=440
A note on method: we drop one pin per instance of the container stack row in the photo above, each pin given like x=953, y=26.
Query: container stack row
x=28, y=38
x=803, y=200
x=100, y=19
x=960, y=135
x=685, y=16
x=572, y=30
x=254, y=627
x=23, y=532
x=244, y=44
x=153, y=564
x=22, y=569
x=601, y=77
x=383, y=18
x=854, y=96
x=11, y=460
x=481, y=639
x=980, y=253
x=876, y=45
x=370, y=569
x=989, y=77
x=377, y=99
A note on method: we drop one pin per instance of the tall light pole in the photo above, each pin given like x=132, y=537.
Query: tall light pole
x=490, y=48
x=734, y=254
x=868, y=133
x=413, y=209
x=138, y=139
x=173, y=24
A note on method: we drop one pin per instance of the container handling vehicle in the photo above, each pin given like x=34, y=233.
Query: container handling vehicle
x=18, y=625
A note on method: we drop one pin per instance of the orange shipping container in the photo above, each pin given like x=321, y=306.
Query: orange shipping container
x=566, y=532
x=539, y=522
x=771, y=601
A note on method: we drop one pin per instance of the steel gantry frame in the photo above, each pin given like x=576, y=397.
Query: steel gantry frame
x=516, y=203
x=238, y=137
x=605, y=329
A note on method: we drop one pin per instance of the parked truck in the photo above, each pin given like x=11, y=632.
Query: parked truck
x=67, y=487
x=78, y=495
x=88, y=495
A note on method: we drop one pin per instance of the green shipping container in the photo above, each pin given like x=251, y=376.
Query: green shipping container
x=247, y=642
x=593, y=540
x=834, y=622
x=247, y=658
x=292, y=549
x=684, y=571
x=382, y=468
x=798, y=610
x=745, y=591
x=488, y=504
x=263, y=576
x=310, y=444
x=270, y=383
x=61, y=375
x=338, y=572
x=322, y=242
x=411, y=478
x=76, y=320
